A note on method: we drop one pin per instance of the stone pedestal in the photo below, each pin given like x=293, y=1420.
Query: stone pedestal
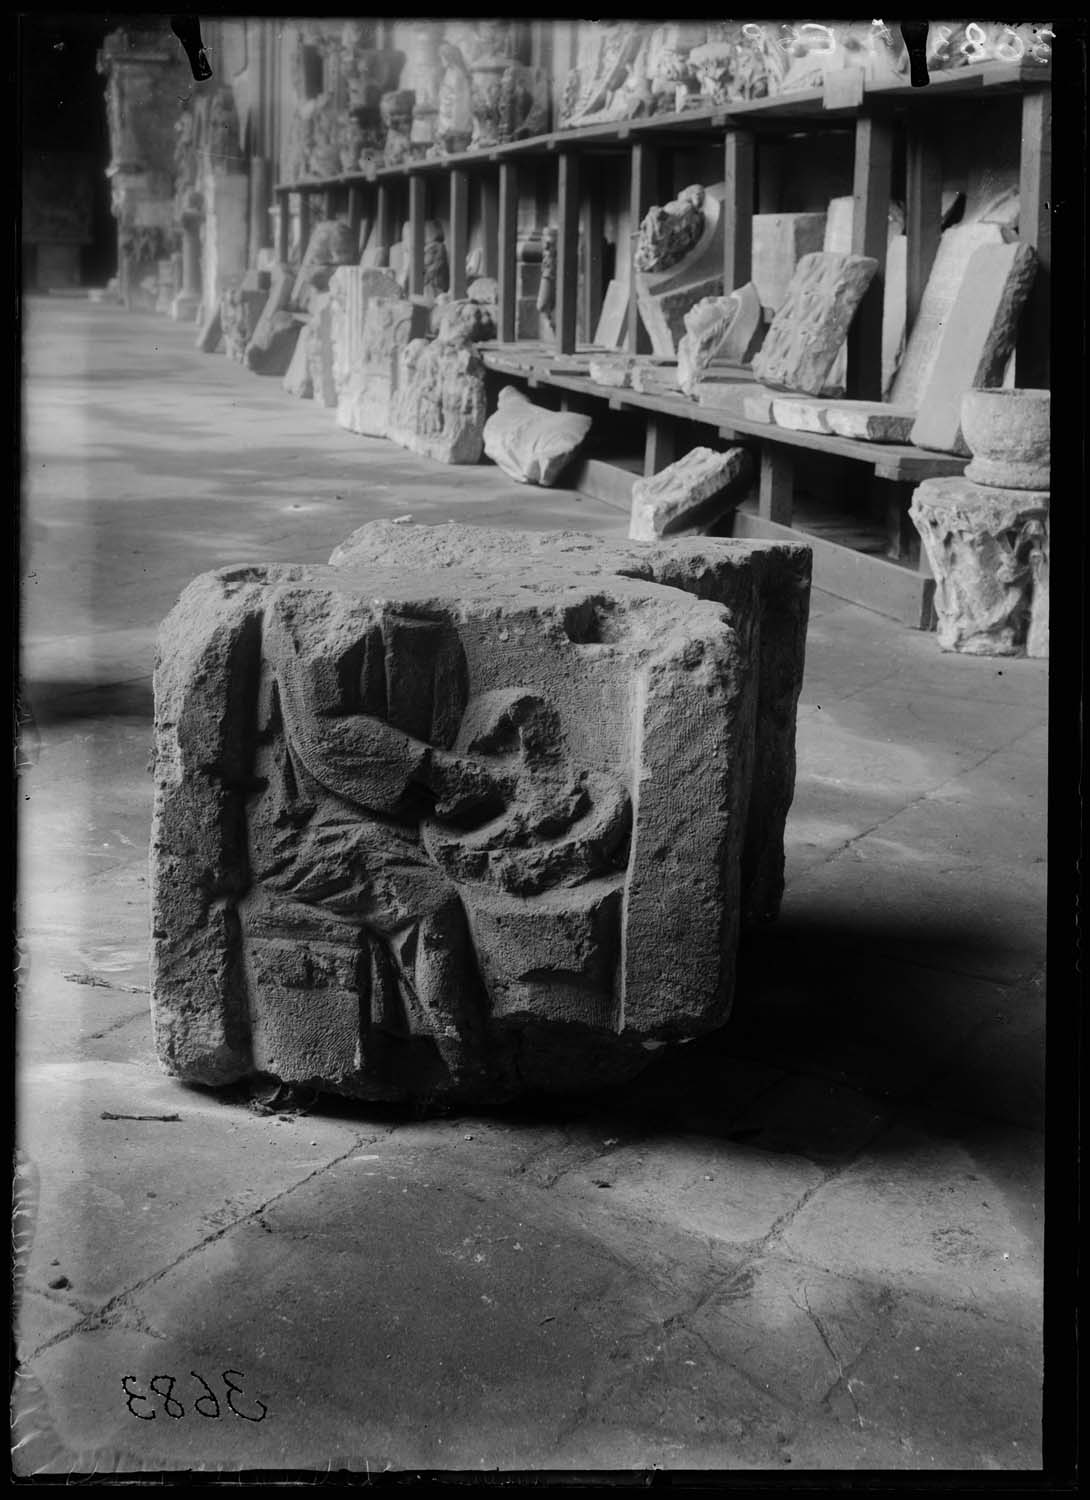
x=467, y=812
x=988, y=550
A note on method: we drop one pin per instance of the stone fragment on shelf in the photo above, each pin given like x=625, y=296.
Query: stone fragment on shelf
x=956, y=248
x=665, y=295
x=779, y=243
x=438, y=405
x=799, y=415
x=613, y=319
x=690, y=495
x=1008, y=432
x=757, y=404
x=813, y=320
x=530, y=443
x=655, y=380
x=869, y=421
x=838, y=237
x=616, y=371
x=724, y=328
x=729, y=396
x=988, y=549
x=976, y=342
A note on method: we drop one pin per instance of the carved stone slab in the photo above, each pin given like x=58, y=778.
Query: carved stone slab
x=689, y=495
x=869, y=421
x=813, y=321
x=956, y=248
x=398, y=849
x=730, y=396
x=724, y=328
x=529, y=442
x=613, y=319
x=438, y=405
x=664, y=297
x=274, y=338
x=351, y=288
x=838, y=236
x=298, y=380
x=976, y=342
x=319, y=336
x=779, y=243
x=988, y=549
x=388, y=326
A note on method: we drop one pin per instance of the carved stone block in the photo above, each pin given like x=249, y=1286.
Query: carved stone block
x=298, y=380
x=870, y=421
x=779, y=243
x=319, y=337
x=438, y=406
x=680, y=280
x=615, y=372
x=388, y=326
x=330, y=245
x=723, y=328
x=690, y=495
x=529, y=442
x=240, y=309
x=986, y=547
x=976, y=341
x=351, y=288
x=812, y=322
x=275, y=335
x=398, y=850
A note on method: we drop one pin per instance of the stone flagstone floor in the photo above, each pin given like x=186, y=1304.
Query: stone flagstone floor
x=811, y=1243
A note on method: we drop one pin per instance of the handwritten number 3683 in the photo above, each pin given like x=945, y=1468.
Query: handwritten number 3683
x=206, y=1405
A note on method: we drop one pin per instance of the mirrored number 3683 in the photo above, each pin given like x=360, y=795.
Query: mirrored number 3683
x=142, y=1404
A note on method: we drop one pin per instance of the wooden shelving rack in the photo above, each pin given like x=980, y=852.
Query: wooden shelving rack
x=636, y=148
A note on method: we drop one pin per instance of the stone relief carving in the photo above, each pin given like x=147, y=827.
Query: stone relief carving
x=396, y=851
x=667, y=234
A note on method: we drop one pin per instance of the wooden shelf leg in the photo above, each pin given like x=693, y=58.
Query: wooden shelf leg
x=459, y=232
x=567, y=250
x=870, y=235
x=490, y=222
x=355, y=215
x=660, y=444
x=738, y=158
x=593, y=229
x=418, y=212
x=1031, y=359
x=383, y=217
x=304, y=224
x=923, y=211
x=283, y=226
x=776, y=494
x=643, y=175
x=504, y=242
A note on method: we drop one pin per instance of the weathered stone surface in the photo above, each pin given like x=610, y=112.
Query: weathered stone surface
x=986, y=546
x=669, y=232
x=330, y=245
x=838, y=236
x=529, y=442
x=813, y=321
x=724, y=328
x=276, y=332
x=688, y=495
x=730, y=395
x=319, y=345
x=298, y=380
x=779, y=243
x=466, y=318
x=1009, y=434
x=665, y=295
x=613, y=319
x=956, y=248
x=464, y=800
x=438, y=405
x=712, y=568
x=614, y=372
x=799, y=415
x=240, y=309
x=976, y=340
x=870, y=421
x=655, y=380
x=351, y=288
x=210, y=336
x=388, y=326
x=757, y=404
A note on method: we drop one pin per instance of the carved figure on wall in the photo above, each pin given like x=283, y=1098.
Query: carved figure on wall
x=668, y=233
x=546, y=296
x=397, y=118
x=523, y=103
x=607, y=50
x=352, y=143
x=674, y=82
x=454, y=124
x=436, y=264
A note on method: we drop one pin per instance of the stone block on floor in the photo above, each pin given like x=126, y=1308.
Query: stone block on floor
x=444, y=750
x=531, y=443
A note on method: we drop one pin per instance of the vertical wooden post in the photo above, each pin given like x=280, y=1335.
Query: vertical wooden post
x=459, y=231
x=923, y=210
x=641, y=180
x=870, y=235
x=738, y=155
x=260, y=176
x=1031, y=359
x=383, y=216
x=283, y=226
x=660, y=444
x=355, y=215
x=490, y=225
x=504, y=242
x=769, y=176
x=776, y=495
x=593, y=226
x=418, y=212
x=567, y=250
x=304, y=224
